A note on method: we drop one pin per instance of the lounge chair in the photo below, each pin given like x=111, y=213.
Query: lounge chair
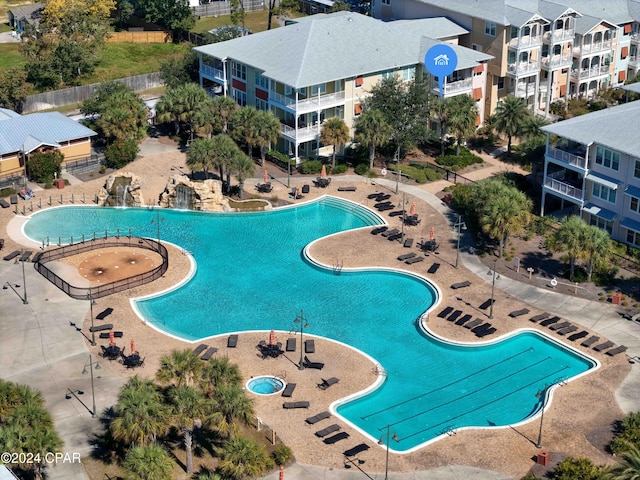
x=540, y=316
x=381, y=204
x=396, y=213
x=464, y=319
x=1, y=243
x=481, y=328
x=326, y=431
x=371, y=196
x=559, y=326
x=518, y=313
x=300, y=404
x=569, y=329
x=4, y=203
x=577, y=336
x=99, y=328
x=116, y=334
x=433, y=268
x=393, y=231
x=458, y=285
x=603, y=346
x=36, y=257
x=12, y=255
x=288, y=390
x=445, y=312
x=382, y=197
x=406, y=256
x=487, y=303
x=408, y=243
x=472, y=323
x=13, y=199
x=291, y=345
x=316, y=418
x=590, y=341
x=346, y=189
x=617, y=350
x=356, y=450
x=549, y=321
x=305, y=188
x=454, y=316
x=336, y=438
x=486, y=332
x=232, y=341
x=413, y=260
x=104, y=314
x=209, y=353
x=309, y=346
x=378, y=230
x=395, y=236
x=309, y=364
x=328, y=382
x=200, y=348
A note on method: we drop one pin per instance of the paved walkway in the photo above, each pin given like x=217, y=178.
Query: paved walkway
x=39, y=346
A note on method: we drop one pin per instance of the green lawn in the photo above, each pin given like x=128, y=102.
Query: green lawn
x=255, y=21
x=10, y=56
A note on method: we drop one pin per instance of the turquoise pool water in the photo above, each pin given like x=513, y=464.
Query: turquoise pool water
x=251, y=275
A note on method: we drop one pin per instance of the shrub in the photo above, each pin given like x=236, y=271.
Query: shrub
x=121, y=153
x=419, y=172
x=457, y=162
x=5, y=192
x=362, y=169
x=341, y=168
x=310, y=167
x=42, y=167
x=278, y=158
x=628, y=432
x=282, y=454
x=103, y=169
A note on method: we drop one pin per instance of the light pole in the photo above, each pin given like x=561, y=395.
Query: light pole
x=383, y=442
x=541, y=394
x=461, y=225
x=24, y=280
x=93, y=392
x=493, y=285
x=397, y=155
x=91, y=304
x=303, y=324
x=157, y=221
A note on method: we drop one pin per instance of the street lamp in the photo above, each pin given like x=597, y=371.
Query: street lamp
x=461, y=225
x=93, y=392
x=493, y=285
x=397, y=159
x=541, y=395
x=92, y=302
x=303, y=324
x=24, y=280
x=383, y=442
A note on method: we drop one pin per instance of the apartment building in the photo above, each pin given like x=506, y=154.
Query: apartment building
x=324, y=66
x=592, y=168
x=543, y=51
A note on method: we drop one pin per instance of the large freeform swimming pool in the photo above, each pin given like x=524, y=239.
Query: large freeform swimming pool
x=252, y=275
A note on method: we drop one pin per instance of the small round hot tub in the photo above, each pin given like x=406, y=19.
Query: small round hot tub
x=265, y=385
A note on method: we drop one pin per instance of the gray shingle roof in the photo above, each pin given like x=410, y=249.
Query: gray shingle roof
x=324, y=48
x=28, y=132
x=605, y=127
x=31, y=13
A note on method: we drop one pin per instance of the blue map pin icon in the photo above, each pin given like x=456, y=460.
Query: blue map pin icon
x=441, y=61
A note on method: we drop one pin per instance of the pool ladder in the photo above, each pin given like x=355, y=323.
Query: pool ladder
x=379, y=370
x=450, y=430
x=337, y=267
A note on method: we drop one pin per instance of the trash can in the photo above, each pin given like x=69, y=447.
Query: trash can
x=59, y=183
x=543, y=458
x=616, y=298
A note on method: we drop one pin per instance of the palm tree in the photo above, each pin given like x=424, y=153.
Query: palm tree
x=225, y=151
x=243, y=167
x=532, y=125
x=509, y=117
x=180, y=367
x=148, y=462
x=245, y=127
x=267, y=131
x=233, y=404
x=44, y=439
x=183, y=104
x=189, y=408
x=597, y=247
x=570, y=238
x=219, y=372
x=222, y=108
x=629, y=468
x=440, y=110
x=200, y=155
x=241, y=458
x=462, y=118
x=335, y=133
x=372, y=129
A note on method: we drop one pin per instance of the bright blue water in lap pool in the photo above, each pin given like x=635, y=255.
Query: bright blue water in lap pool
x=251, y=275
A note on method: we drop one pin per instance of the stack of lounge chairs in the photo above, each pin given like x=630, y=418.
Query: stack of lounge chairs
x=476, y=326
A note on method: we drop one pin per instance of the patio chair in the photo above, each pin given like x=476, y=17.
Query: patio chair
x=318, y=417
x=458, y=285
x=336, y=438
x=487, y=303
x=433, y=268
x=559, y=326
x=540, y=316
x=517, y=313
x=356, y=450
x=328, y=382
x=445, y=312
x=104, y=314
x=395, y=236
x=577, y=336
x=472, y=323
x=288, y=390
x=371, y=196
x=291, y=345
x=99, y=328
x=232, y=341
x=200, y=348
x=406, y=256
x=12, y=255
x=309, y=364
x=590, y=341
x=209, y=353
x=300, y=404
x=305, y=188
x=454, y=316
x=378, y=230
x=408, y=243
x=326, y=431
x=486, y=332
x=346, y=189
x=13, y=199
x=603, y=346
x=25, y=256
x=309, y=346
x=464, y=319
x=569, y=329
x=549, y=321
x=617, y=350
x=4, y=203
x=388, y=233
x=481, y=328
x=413, y=260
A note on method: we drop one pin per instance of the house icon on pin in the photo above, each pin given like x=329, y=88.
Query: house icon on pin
x=441, y=60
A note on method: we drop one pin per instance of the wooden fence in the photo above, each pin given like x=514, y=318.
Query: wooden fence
x=139, y=37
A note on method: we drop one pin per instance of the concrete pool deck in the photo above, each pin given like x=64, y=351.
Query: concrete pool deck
x=39, y=347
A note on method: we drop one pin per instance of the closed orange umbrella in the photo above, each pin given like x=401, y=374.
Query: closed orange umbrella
x=265, y=177
x=112, y=338
x=323, y=172
x=432, y=234
x=133, y=346
x=412, y=209
x=281, y=472
x=272, y=338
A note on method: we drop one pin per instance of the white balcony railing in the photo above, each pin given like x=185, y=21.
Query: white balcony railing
x=590, y=72
x=557, y=61
x=454, y=88
x=308, y=104
x=523, y=68
x=634, y=61
x=300, y=135
x=566, y=157
x=635, y=37
x=560, y=35
x=564, y=188
x=212, y=72
x=593, y=48
x=527, y=41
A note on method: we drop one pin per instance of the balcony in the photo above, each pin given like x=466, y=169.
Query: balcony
x=567, y=157
x=593, y=72
x=312, y=104
x=558, y=36
x=521, y=90
x=528, y=41
x=557, y=61
x=592, y=48
x=454, y=88
x=634, y=61
x=564, y=189
x=635, y=38
x=300, y=135
x=523, y=68
x=212, y=72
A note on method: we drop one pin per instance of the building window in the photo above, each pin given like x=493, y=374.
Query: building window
x=608, y=158
x=408, y=73
x=240, y=97
x=605, y=193
x=500, y=82
x=319, y=89
x=636, y=170
x=476, y=47
x=262, y=105
x=386, y=2
x=490, y=29
x=359, y=81
x=387, y=74
x=633, y=237
x=262, y=81
x=635, y=205
x=601, y=223
x=239, y=70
